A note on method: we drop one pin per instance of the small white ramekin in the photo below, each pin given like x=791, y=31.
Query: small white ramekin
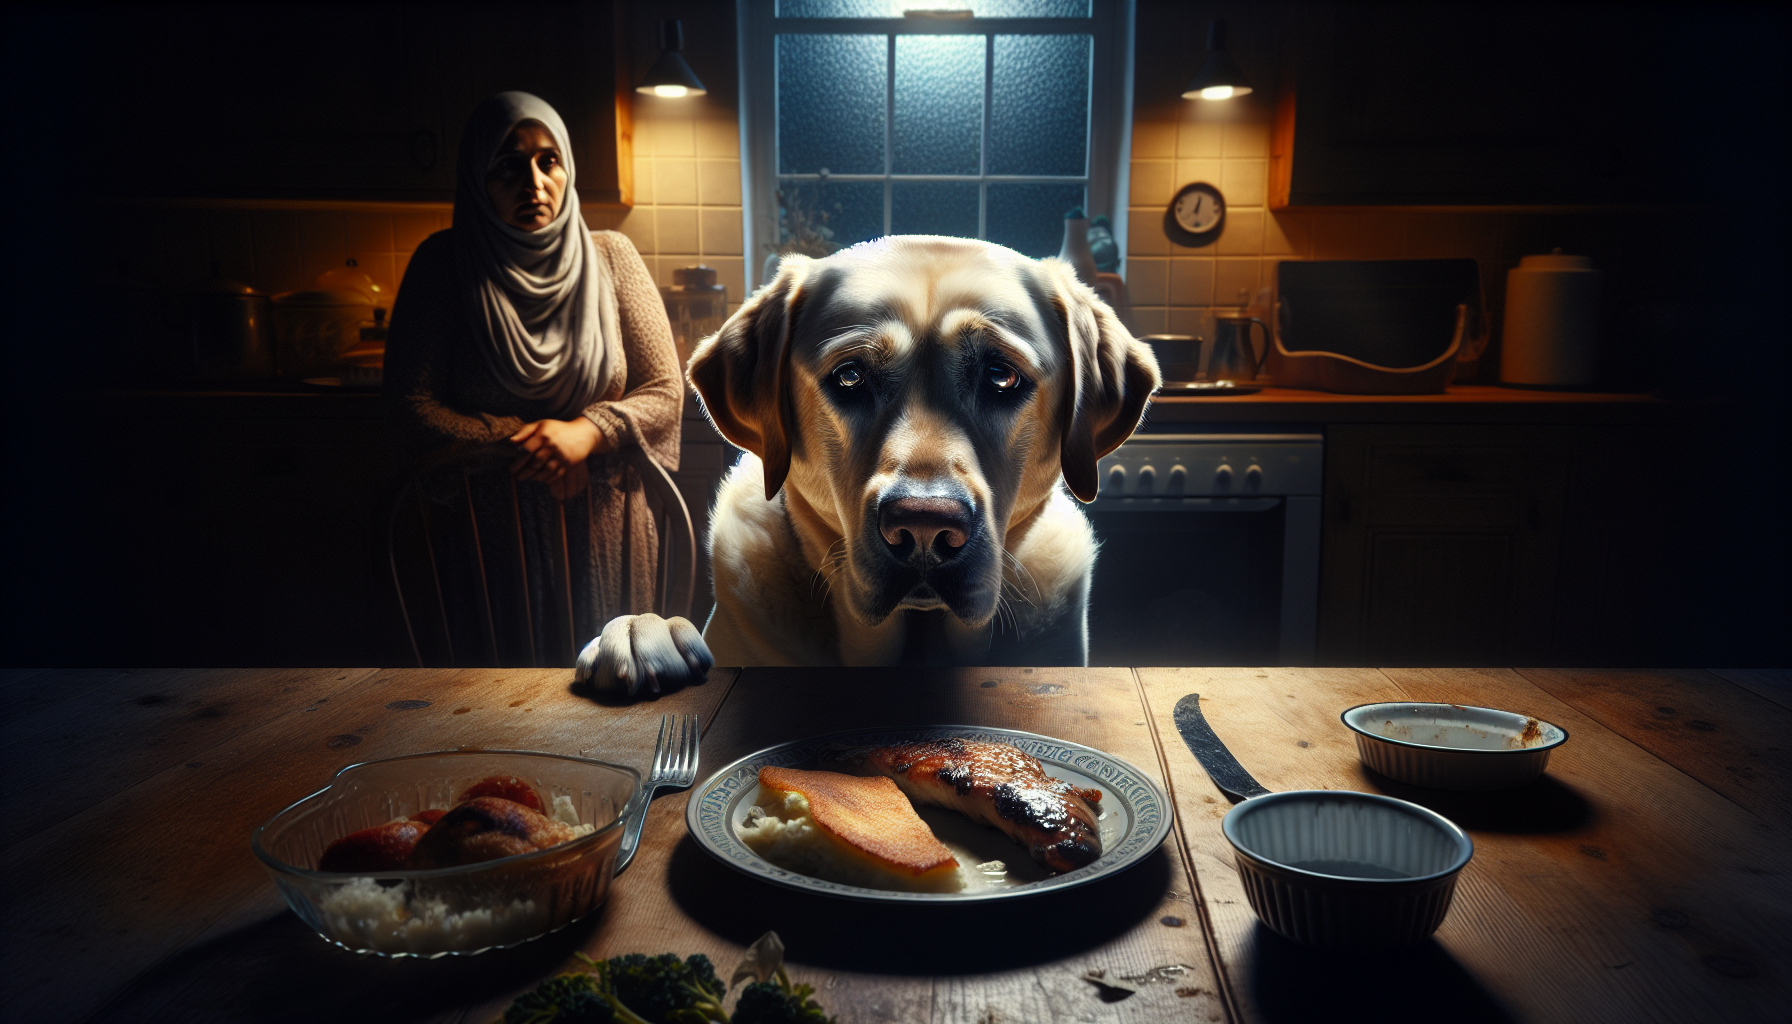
x=1452, y=746
x=1295, y=853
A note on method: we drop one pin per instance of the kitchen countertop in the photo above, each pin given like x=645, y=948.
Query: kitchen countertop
x=1461, y=404
x=1644, y=877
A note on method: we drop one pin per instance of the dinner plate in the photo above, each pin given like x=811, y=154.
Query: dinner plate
x=1135, y=816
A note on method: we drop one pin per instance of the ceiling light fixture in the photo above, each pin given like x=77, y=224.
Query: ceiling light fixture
x=670, y=76
x=1219, y=77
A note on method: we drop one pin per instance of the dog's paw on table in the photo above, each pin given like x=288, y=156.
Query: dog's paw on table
x=637, y=655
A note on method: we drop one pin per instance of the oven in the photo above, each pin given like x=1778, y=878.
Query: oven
x=1209, y=551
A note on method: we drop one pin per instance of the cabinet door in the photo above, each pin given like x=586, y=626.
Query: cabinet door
x=1440, y=544
x=350, y=102
x=1492, y=104
x=252, y=541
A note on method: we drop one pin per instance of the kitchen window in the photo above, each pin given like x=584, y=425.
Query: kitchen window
x=991, y=122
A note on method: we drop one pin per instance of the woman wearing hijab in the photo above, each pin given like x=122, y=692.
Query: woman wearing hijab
x=520, y=329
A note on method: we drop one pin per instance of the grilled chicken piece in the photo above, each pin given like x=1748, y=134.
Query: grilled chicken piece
x=991, y=783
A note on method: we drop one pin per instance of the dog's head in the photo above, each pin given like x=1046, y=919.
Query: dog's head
x=918, y=397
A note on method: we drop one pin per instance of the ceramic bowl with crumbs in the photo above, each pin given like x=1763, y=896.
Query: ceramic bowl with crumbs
x=1453, y=746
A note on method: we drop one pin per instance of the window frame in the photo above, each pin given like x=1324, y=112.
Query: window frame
x=1110, y=26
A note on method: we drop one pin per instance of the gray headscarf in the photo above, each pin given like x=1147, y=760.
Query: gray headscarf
x=541, y=303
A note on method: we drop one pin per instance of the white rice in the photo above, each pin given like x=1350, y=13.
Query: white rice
x=392, y=919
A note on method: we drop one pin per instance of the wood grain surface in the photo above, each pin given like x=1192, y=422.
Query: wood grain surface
x=1644, y=878
x=1713, y=730
x=139, y=881
x=1774, y=684
x=1616, y=888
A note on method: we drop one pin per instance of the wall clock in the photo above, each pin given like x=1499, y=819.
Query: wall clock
x=1196, y=216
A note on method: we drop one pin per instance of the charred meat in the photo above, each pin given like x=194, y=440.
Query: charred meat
x=991, y=783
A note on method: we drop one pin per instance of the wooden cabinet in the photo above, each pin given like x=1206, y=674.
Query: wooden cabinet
x=1440, y=544
x=1478, y=104
x=242, y=538
x=361, y=102
x=1512, y=544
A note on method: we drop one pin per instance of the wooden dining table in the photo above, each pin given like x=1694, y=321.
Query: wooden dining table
x=1647, y=876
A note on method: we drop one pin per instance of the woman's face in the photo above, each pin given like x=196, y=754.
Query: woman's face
x=528, y=178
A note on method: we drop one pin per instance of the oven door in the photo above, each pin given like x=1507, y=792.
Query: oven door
x=1205, y=581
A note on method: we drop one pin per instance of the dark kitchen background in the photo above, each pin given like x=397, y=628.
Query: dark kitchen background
x=150, y=147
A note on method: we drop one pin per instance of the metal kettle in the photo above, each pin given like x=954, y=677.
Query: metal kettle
x=1231, y=356
x=227, y=330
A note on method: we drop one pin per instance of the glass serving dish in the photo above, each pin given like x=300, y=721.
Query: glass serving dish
x=448, y=911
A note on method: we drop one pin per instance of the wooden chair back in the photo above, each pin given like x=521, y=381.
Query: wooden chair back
x=486, y=570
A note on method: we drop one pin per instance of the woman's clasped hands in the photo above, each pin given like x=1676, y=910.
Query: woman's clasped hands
x=554, y=452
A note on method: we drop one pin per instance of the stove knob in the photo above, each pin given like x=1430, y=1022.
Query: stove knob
x=1178, y=479
x=1116, y=479
x=1222, y=477
x=1253, y=477
x=1147, y=480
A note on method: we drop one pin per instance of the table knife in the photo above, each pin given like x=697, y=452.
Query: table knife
x=1216, y=760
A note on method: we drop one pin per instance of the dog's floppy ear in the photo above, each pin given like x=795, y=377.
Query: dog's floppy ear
x=741, y=372
x=1109, y=378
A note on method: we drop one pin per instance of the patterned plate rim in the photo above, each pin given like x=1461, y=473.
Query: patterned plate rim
x=708, y=813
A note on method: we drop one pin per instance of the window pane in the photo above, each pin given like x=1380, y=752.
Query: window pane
x=1039, y=105
x=1030, y=218
x=934, y=208
x=831, y=104
x=894, y=8
x=939, y=104
x=839, y=212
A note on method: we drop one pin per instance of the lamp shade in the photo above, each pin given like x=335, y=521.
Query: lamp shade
x=670, y=75
x=1219, y=77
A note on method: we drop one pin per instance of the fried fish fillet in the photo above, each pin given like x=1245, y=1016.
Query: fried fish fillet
x=861, y=831
x=991, y=783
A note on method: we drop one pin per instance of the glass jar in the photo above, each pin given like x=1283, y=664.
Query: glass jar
x=696, y=305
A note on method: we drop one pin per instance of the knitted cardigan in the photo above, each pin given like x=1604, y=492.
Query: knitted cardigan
x=447, y=405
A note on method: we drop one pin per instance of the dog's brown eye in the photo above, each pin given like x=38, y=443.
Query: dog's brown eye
x=1003, y=377
x=849, y=376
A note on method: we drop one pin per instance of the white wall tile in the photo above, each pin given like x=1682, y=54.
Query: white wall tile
x=718, y=182
x=1153, y=140
x=1191, y=282
x=677, y=230
x=721, y=228
x=1151, y=182
x=674, y=182
x=1198, y=140
x=1147, y=282
x=717, y=138
x=1245, y=182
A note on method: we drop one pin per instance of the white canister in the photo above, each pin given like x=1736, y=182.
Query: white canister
x=1551, y=337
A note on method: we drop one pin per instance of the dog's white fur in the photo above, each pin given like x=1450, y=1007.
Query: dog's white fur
x=796, y=580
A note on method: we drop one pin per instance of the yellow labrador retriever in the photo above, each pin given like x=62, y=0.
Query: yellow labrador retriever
x=912, y=408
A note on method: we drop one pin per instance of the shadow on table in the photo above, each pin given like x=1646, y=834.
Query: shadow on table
x=1423, y=984
x=1541, y=806
x=278, y=970
x=874, y=938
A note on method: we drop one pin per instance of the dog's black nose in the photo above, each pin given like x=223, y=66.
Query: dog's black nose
x=926, y=521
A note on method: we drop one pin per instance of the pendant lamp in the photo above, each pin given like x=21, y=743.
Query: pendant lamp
x=1219, y=77
x=670, y=76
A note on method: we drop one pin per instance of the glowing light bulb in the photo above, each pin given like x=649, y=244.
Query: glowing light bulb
x=676, y=91
x=1217, y=92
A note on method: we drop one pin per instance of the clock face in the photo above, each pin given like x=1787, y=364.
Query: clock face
x=1196, y=216
x=1197, y=211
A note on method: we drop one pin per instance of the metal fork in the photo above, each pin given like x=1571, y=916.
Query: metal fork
x=674, y=764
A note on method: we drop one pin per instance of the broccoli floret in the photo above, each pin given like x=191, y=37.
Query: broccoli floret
x=566, y=999
x=778, y=1002
x=663, y=989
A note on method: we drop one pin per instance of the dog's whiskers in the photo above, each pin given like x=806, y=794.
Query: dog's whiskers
x=1020, y=573
x=822, y=575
